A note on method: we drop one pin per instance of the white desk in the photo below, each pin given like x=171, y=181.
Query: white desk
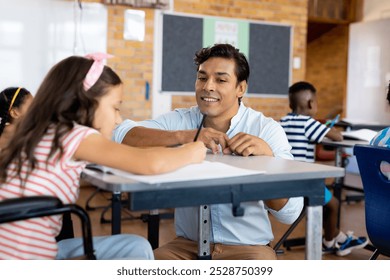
x=339, y=145
x=283, y=178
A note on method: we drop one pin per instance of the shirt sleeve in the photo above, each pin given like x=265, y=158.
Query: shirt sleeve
x=179, y=119
x=174, y=120
x=290, y=212
x=382, y=138
x=276, y=138
x=121, y=130
x=315, y=131
x=72, y=141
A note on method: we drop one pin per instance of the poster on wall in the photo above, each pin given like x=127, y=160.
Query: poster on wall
x=223, y=31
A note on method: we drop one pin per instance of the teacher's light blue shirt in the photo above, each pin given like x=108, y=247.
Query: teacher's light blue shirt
x=254, y=228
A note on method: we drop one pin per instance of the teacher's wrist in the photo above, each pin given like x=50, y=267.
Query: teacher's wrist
x=184, y=136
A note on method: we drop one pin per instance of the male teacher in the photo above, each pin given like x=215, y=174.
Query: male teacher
x=231, y=128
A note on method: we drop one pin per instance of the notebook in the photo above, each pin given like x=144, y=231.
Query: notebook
x=360, y=134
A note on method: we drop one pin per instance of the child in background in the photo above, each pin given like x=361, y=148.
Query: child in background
x=14, y=102
x=69, y=124
x=303, y=133
x=382, y=139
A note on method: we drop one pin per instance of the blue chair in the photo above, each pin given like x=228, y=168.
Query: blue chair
x=377, y=196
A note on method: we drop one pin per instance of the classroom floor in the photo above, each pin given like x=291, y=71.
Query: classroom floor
x=352, y=218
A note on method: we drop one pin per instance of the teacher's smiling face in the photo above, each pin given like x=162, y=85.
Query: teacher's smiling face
x=217, y=90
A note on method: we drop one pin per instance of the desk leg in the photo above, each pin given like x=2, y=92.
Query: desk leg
x=116, y=208
x=338, y=183
x=314, y=233
x=204, y=233
x=153, y=228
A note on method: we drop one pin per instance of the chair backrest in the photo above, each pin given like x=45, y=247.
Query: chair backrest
x=377, y=194
x=23, y=208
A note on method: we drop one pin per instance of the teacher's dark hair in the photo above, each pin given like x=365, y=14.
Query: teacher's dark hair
x=225, y=51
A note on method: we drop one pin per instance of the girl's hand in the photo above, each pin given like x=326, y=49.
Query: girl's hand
x=196, y=151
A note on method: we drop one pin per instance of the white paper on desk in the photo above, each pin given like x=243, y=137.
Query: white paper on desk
x=199, y=171
x=360, y=134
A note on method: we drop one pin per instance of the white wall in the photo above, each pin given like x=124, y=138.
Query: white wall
x=376, y=9
x=369, y=65
x=34, y=35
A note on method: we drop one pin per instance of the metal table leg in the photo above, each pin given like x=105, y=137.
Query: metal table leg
x=204, y=233
x=338, y=183
x=116, y=213
x=314, y=233
x=154, y=228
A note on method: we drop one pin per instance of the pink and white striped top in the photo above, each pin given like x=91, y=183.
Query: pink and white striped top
x=35, y=238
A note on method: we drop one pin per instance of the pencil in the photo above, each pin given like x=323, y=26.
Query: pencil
x=200, y=127
x=334, y=121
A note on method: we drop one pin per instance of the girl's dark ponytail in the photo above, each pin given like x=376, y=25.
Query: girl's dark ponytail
x=11, y=97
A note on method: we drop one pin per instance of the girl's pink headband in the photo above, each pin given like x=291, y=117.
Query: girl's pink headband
x=96, y=69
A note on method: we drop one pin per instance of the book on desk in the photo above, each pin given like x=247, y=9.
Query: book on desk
x=359, y=134
x=351, y=124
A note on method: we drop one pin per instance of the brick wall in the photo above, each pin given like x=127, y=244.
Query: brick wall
x=134, y=60
x=327, y=63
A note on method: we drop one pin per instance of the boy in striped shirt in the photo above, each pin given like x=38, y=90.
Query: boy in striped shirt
x=303, y=133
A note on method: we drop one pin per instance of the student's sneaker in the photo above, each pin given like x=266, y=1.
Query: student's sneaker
x=328, y=250
x=352, y=242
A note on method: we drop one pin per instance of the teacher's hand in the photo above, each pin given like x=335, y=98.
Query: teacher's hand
x=247, y=145
x=212, y=138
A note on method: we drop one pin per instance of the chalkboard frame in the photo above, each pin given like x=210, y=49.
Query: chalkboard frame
x=178, y=48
